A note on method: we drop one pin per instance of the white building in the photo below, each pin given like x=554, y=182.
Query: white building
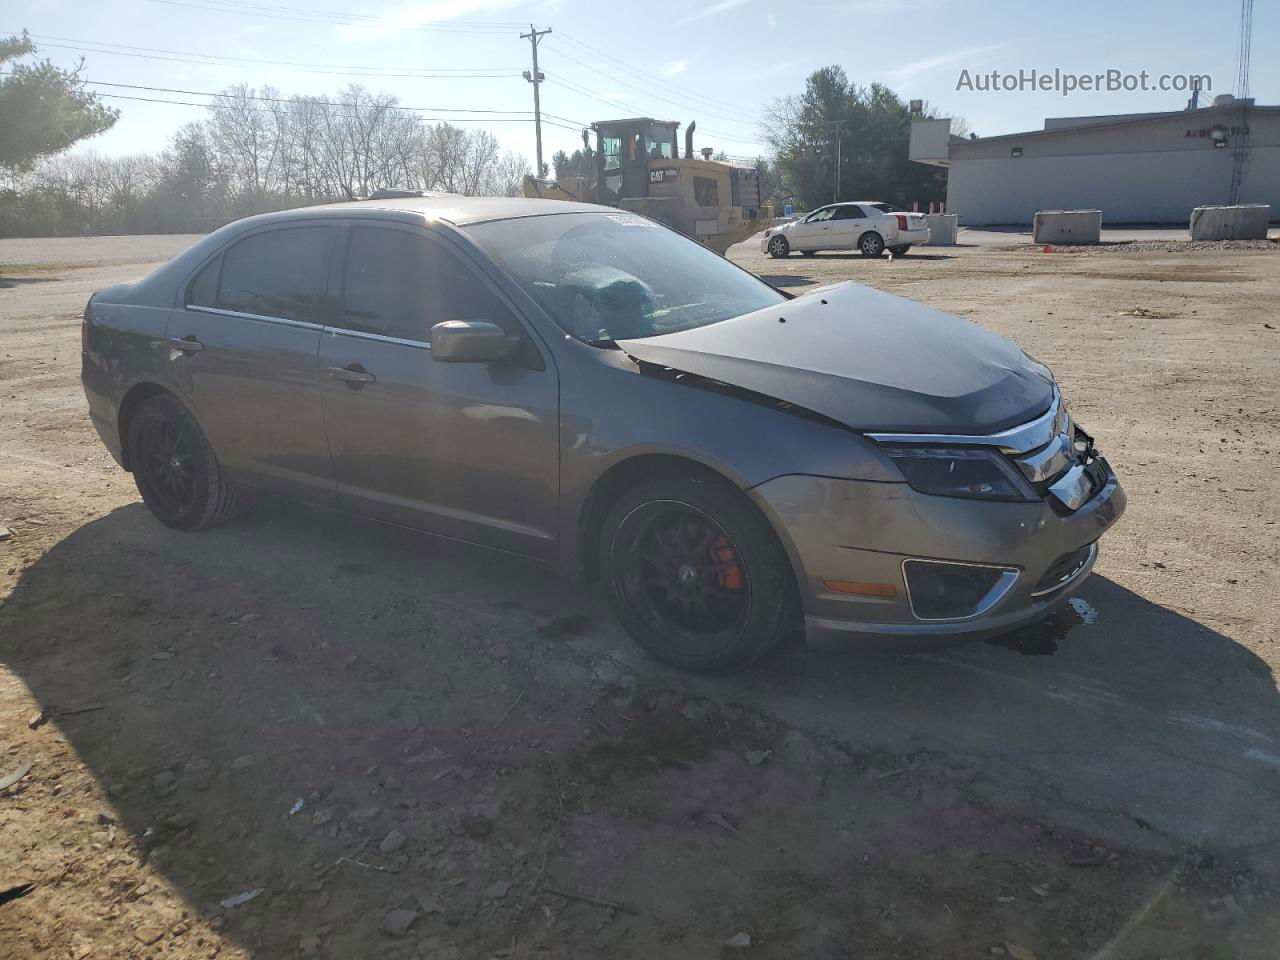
x=1135, y=168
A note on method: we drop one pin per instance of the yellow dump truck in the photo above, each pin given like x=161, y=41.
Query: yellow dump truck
x=636, y=165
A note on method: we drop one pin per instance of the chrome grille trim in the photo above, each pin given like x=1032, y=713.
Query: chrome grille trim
x=1016, y=440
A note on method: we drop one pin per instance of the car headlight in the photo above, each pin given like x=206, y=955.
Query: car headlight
x=961, y=472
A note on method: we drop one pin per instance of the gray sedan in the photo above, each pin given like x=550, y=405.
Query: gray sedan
x=584, y=387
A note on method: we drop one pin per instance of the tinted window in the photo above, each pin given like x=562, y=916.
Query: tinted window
x=278, y=273
x=401, y=284
x=847, y=213
x=824, y=214
x=203, y=290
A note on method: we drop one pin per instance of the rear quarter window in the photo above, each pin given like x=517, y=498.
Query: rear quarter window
x=278, y=273
x=202, y=291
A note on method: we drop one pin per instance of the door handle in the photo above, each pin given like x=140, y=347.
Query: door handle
x=353, y=375
x=183, y=345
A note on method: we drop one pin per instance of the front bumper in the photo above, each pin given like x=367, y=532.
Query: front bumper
x=862, y=532
x=769, y=235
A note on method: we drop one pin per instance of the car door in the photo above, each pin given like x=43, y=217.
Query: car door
x=466, y=450
x=242, y=351
x=846, y=226
x=814, y=231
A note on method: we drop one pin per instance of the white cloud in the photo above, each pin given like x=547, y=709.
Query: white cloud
x=942, y=59
x=713, y=10
x=771, y=20
x=675, y=68
x=416, y=14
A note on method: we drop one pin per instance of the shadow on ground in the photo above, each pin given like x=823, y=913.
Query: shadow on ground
x=353, y=719
x=7, y=282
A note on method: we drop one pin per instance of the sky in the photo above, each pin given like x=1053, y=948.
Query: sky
x=719, y=62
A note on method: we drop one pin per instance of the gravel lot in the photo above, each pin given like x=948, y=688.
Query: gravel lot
x=405, y=748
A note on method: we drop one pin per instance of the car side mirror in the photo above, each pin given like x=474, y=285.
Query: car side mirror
x=471, y=341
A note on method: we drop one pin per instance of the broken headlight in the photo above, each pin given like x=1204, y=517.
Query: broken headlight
x=961, y=472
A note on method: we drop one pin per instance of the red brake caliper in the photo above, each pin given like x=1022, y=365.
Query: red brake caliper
x=728, y=573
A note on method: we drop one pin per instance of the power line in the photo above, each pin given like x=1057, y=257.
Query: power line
x=234, y=95
x=638, y=110
x=348, y=116
x=647, y=75
x=311, y=11
x=318, y=16
x=340, y=73
x=88, y=46
x=655, y=96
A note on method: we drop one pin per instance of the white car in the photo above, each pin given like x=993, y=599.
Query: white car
x=862, y=225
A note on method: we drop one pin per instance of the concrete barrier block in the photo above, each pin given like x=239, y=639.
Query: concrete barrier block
x=1068, y=226
x=942, y=228
x=1246, y=221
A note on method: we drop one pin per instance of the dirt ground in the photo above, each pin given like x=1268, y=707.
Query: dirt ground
x=302, y=735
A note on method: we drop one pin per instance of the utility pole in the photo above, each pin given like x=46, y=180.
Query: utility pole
x=533, y=36
x=837, y=124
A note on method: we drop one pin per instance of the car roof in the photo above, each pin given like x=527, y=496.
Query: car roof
x=158, y=288
x=449, y=207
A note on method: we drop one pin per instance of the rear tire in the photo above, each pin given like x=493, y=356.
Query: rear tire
x=900, y=251
x=779, y=247
x=179, y=477
x=695, y=574
x=871, y=244
x=807, y=253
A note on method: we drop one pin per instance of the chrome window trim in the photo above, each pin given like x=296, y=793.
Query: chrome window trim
x=218, y=311
x=999, y=590
x=379, y=337
x=1020, y=439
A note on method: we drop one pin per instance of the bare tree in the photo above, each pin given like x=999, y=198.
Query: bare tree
x=257, y=151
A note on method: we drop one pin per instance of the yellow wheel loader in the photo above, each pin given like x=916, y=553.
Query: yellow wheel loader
x=636, y=165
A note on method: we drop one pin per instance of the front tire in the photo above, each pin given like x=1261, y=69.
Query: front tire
x=779, y=247
x=179, y=477
x=695, y=574
x=871, y=244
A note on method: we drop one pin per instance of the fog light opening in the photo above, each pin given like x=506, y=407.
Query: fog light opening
x=938, y=590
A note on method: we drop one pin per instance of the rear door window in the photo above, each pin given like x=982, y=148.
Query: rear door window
x=277, y=273
x=401, y=284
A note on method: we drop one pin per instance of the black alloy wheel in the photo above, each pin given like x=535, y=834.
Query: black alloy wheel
x=166, y=463
x=695, y=573
x=176, y=471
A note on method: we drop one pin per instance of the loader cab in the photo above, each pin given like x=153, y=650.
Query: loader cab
x=623, y=151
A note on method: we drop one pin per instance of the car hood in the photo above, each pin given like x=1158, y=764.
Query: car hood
x=866, y=359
